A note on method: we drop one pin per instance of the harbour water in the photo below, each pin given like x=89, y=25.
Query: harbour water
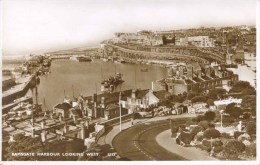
x=70, y=77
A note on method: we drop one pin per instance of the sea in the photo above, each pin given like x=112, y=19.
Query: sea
x=68, y=78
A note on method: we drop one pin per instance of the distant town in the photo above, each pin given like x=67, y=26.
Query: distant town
x=203, y=109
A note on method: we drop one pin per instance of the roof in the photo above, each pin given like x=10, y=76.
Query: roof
x=114, y=97
x=64, y=106
x=112, y=106
x=160, y=94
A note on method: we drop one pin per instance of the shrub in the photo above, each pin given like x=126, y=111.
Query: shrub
x=209, y=115
x=251, y=150
x=204, y=124
x=185, y=137
x=228, y=120
x=196, y=129
x=177, y=141
x=233, y=148
x=211, y=125
x=182, y=126
x=253, y=137
x=218, y=149
x=251, y=128
x=199, y=137
x=203, y=147
x=188, y=123
x=211, y=133
x=215, y=143
x=200, y=118
x=174, y=129
x=198, y=99
x=237, y=134
x=246, y=115
x=225, y=135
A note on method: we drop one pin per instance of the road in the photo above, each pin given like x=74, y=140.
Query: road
x=139, y=143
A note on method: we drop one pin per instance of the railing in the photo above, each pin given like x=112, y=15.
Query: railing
x=115, y=121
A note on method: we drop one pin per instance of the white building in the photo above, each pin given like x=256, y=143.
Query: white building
x=201, y=41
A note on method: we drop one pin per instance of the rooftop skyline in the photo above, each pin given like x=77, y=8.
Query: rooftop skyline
x=42, y=26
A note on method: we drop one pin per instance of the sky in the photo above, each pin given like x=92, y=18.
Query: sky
x=37, y=26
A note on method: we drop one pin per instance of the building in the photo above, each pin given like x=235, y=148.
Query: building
x=201, y=41
x=198, y=79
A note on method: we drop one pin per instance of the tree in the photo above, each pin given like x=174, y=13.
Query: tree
x=233, y=148
x=240, y=86
x=198, y=99
x=233, y=110
x=249, y=91
x=204, y=124
x=211, y=133
x=209, y=115
x=249, y=102
x=164, y=40
x=216, y=93
x=191, y=95
x=251, y=128
x=210, y=102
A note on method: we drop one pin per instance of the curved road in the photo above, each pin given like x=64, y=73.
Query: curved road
x=139, y=142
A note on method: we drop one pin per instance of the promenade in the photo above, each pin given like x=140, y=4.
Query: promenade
x=190, y=153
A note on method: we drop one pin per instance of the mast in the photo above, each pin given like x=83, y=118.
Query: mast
x=135, y=76
x=73, y=91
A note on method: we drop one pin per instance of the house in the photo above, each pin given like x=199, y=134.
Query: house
x=113, y=111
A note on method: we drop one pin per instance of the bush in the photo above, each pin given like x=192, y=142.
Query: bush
x=204, y=124
x=211, y=133
x=203, y=147
x=233, y=148
x=188, y=123
x=200, y=118
x=215, y=143
x=228, y=120
x=225, y=135
x=185, y=137
x=251, y=150
x=233, y=110
x=198, y=99
x=251, y=128
x=209, y=115
x=195, y=130
x=199, y=137
x=237, y=134
x=211, y=125
x=174, y=129
x=182, y=126
x=177, y=141
x=246, y=115
x=218, y=149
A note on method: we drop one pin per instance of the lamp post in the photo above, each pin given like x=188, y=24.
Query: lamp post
x=120, y=112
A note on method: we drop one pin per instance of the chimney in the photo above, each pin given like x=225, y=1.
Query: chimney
x=152, y=86
x=44, y=136
x=66, y=128
x=83, y=131
x=103, y=102
x=133, y=93
x=32, y=132
x=87, y=124
x=60, y=118
x=43, y=124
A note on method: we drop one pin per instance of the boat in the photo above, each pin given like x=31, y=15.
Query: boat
x=84, y=59
x=111, y=83
x=104, y=59
x=144, y=70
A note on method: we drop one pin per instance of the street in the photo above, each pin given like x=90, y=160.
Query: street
x=139, y=143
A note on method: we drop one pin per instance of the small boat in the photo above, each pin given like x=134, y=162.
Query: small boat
x=144, y=70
